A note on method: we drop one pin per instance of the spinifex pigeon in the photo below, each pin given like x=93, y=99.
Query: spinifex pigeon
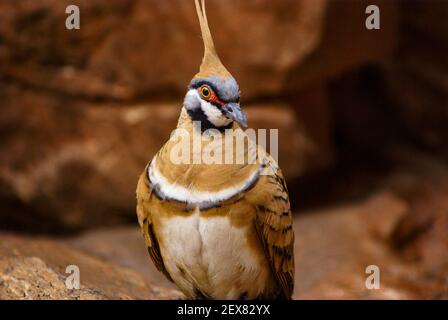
x=217, y=230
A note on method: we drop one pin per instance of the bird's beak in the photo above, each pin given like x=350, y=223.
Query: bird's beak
x=233, y=111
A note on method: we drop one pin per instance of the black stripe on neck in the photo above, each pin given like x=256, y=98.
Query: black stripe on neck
x=199, y=115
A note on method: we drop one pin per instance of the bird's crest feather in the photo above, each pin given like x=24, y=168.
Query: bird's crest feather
x=211, y=64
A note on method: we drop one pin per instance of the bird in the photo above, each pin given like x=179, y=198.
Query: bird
x=217, y=230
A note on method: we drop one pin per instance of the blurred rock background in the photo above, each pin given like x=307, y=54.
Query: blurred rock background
x=362, y=127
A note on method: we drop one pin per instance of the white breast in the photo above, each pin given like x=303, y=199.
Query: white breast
x=211, y=255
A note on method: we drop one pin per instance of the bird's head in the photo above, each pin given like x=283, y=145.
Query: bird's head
x=215, y=102
x=213, y=96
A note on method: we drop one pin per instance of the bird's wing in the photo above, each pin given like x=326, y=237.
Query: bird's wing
x=273, y=223
x=145, y=221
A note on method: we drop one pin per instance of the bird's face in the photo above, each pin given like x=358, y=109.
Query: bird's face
x=215, y=102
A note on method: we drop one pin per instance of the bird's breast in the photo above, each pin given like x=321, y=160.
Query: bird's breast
x=210, y=256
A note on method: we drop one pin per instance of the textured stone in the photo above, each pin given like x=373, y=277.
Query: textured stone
x=122, y=246
x=333, y=266
x=136, y=48
x=74, y=164
x=297, y=147
x=33, y=269
x=417, y=80
x=38, y=50
x=346, y=44
x=421, y=235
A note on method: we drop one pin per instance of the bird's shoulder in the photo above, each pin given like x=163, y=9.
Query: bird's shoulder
x=273, y=223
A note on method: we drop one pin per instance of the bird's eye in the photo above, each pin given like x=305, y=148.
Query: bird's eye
x=205, y=92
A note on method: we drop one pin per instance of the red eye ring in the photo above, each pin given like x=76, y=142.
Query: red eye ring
x=208, y=94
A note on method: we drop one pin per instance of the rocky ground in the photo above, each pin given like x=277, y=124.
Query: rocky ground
x=34, y=268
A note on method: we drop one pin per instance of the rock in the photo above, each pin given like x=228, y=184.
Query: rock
x=386, y=230
x=128, y=49
x=417, y=79
x=122, y=246
x=346, y=44
x=74, y=164
x=313, y=110
x=362, y=112
x=33, y=268
x=38, y=50
x=285, y=34
x=420, y=237
x=298, y=149
x=333, y=266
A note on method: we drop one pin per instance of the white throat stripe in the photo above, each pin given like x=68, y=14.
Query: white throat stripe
x=171, y=191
